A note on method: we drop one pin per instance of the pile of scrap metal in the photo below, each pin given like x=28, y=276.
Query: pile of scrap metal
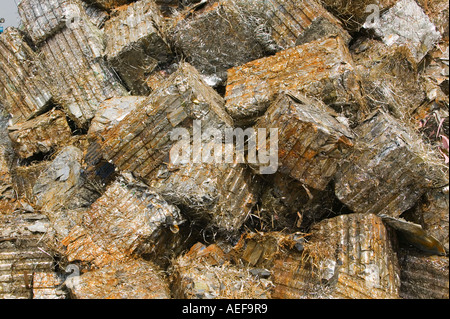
x=130, y=168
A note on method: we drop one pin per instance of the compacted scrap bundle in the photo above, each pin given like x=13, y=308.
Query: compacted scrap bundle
x=129, y=167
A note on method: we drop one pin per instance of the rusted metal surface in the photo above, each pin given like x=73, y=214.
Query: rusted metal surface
x=199, y=277
x=79, y=76
x=24, y=90
x=415, y=235
x=141, y=141
x=311, y=140
x=349, y=256
x=127, y=220
x=354, y=13
x=127, y=279
x=432, y=214
x=291, y=23
x=220, y=195
x=322, y=69
x=63, y=184
x=388, y=170
x=108, y=4
x=43, y=19
x=136, y=44
x=423, y=277
x=48, y=286
x=389, y=78
x=22, y=254
x=40, y=135
x=25, y=177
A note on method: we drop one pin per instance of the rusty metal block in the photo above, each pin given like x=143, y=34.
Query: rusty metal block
x=24, y=90
x=108, y=4
x=126, y=279
x=388, y=170
x=63, y=184
x=40, y=135
x=195, y=278
x=25, y=177
x=349, y=256
x=196, y=37
x=79, y=76
x=432, y=214
x=389, y=78
x=22, y=252
x=126, y=220
x=220, y=195
x=354, y=13
x=136, y=44
x=290, y=23
x=323, y=69
x=48, y=286
x=423, y=277
x=42, y=19
x=141, y=141
x=311, y=140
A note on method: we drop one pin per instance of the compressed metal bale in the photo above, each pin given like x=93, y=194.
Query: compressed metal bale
x=24, y=90
x=80, y=78
x=111, y=112
x=63, y=184
x=40, y=135
x=126, y=220
x=6, y=159
x=25, y=177
x=289, y=23
x=349, y=256
x=141, y=141
x=405, y=24
x=96, y=15
x=389, y=77
x=422, y=276
x=126, y=279
x=220, y=194
x=195, y=276
x=388, y=170
x=42, y=19
x=108, y=4
x=432, y=214
x=135, y=44
x=354, y=13
x=22, y=253
x=286, y=204
x=323, y=69
x=311, y=140
x=48, y=286
x=196, y=37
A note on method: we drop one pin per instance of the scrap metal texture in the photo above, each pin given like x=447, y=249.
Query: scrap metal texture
x=322, y=69
x=80, y=78
x=349, y=256
x=40, y=135
x=127, y=220
x=423, y=277
x=311, y=141
x=24, y=90
x=388, y=170
x=129, y=279
x=141, y=141
x=135, y=44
